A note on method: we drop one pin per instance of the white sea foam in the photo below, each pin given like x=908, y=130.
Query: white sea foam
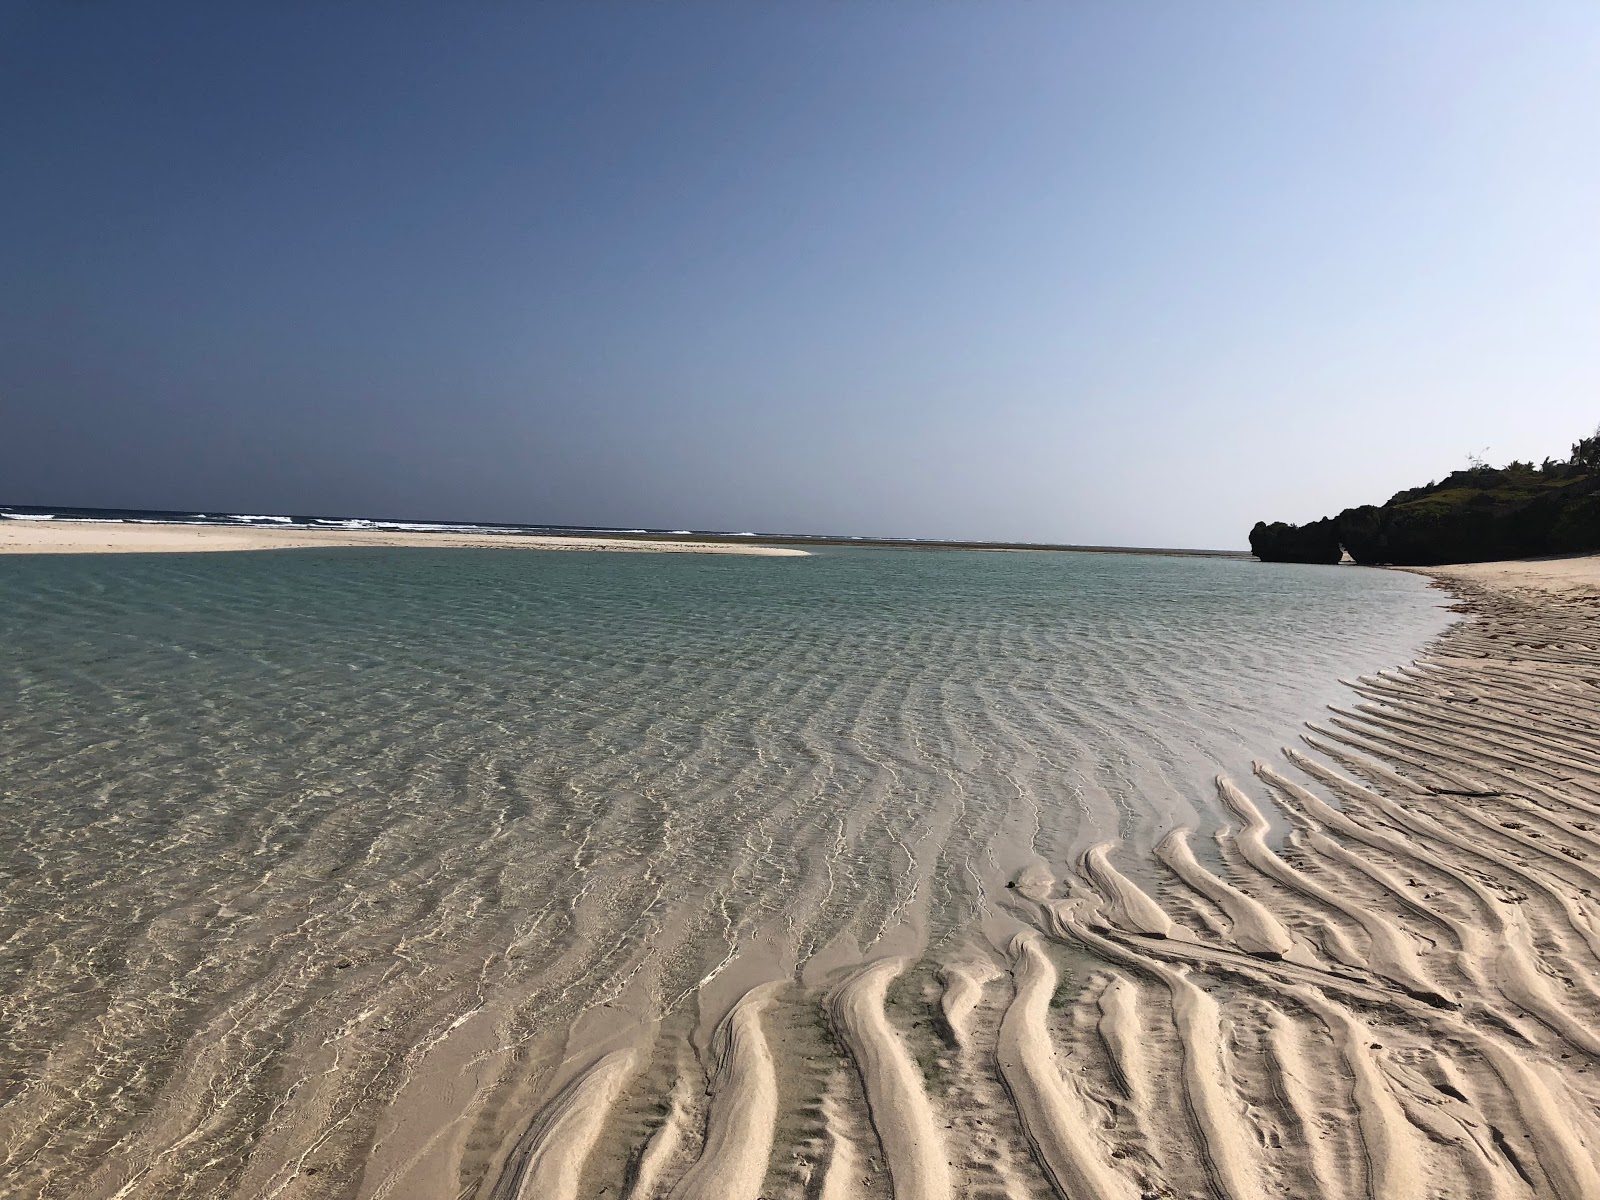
x=431, y=527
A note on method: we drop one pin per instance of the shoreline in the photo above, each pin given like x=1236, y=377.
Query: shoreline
x=1567, y=575
x=559, y=538
x=1375, y=974
x=94, y=537
x=1399, y=1000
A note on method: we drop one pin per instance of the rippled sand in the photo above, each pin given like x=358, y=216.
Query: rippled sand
x=715, y=879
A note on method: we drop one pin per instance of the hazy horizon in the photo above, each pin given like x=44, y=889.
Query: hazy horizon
x=1082, y=275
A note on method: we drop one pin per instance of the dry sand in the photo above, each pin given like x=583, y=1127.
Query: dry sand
x=1563, y=576
x=91, y=537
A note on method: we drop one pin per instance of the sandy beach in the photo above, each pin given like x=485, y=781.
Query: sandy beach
x=394, y=807
x=1400, y=1000
x=1379, y=979
x=94, y=537
x=1575, y=576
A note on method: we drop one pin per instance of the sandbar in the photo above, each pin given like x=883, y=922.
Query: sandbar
x=101, y=537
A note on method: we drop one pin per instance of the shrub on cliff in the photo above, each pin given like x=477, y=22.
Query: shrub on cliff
x=1586, y=453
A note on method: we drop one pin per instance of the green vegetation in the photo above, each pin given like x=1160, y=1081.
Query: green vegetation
x=1475, y=515
x=1063, y=995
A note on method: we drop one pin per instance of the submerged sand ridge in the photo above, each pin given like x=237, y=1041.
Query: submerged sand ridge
x=1398, y=1002
x=1396, y=999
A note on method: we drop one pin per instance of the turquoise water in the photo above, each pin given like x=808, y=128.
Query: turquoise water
x=259, y=792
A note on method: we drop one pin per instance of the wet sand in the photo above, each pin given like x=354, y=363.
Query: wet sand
x=1398, y=999
x=1401, y=999
x=92, y=537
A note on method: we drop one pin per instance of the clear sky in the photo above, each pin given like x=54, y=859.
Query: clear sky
x=1085, y=272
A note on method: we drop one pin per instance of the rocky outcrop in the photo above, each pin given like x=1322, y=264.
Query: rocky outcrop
x=1483, y=525
x=1317, y=542
x=1477, y=515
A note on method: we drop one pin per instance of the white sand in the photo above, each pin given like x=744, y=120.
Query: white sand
x=90, y=537
x=1563, y=576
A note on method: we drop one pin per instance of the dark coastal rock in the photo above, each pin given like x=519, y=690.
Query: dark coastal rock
x=1317, y=542
x=1477, y=515
x=1476, y=524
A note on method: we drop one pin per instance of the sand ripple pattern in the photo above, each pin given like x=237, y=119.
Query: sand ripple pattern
x=513, y=875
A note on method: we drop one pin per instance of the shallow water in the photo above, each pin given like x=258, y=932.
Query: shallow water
x=252, y=801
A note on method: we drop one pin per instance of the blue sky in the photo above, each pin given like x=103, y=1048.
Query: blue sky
x=1125, y=274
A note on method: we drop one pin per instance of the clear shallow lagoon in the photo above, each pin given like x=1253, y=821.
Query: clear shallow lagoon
x=249, y=799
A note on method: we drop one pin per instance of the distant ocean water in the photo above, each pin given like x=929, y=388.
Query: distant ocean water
x=246, y=796
x=141, y=516
x=149, y=516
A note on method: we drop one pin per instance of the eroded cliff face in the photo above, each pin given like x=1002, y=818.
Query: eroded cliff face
x=1483, y=525
x=1477, y=515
